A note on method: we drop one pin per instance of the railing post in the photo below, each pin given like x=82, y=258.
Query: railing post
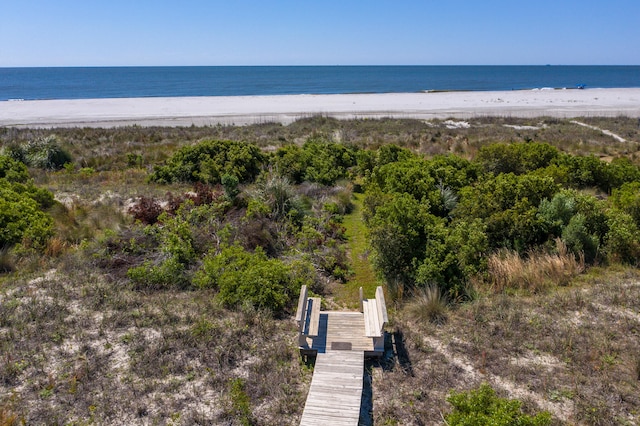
x=361, y=300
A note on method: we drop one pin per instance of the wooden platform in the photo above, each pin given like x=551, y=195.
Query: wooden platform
x=340, y=340
x=338, y=330
x=336, y=389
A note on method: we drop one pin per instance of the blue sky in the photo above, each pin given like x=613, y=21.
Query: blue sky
x=329, y=32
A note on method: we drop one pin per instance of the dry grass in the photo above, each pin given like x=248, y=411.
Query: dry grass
x=572, y=352
x=79, y=349
x=428, y=304
x=508, y=270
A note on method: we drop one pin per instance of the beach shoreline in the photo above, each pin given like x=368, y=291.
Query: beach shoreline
x=243, y=110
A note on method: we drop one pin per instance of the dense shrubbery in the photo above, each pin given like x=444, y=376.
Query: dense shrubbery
x=316, y=161
x=255, y=247
x=22, y=219
x=435, y=221
x=209, y=161
x=431, y=221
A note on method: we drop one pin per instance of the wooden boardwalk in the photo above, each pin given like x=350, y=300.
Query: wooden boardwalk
x=340, y=340
x=336, y=389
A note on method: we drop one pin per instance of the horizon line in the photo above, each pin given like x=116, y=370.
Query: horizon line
x=318, y=65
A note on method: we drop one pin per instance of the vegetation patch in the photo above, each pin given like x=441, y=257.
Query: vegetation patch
x=149, y=278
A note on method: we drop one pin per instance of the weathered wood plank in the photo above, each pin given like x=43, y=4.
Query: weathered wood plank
x=372, y=323
x=314, y=321
x=336, y=389
x=302, y=306
x=382, y=307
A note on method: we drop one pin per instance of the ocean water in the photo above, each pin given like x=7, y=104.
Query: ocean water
x=122, y=82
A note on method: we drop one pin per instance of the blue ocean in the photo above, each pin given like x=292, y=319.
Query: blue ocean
x=124, y=82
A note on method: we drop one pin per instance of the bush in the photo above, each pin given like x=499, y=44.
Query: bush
x=622, y=242
x=209, y=161
x=146, y=210
x=397, y=225
x=13, y=170
x=169, y=273
x=483, y=407
x=21, y=217
x=243, y=277
x=627, y=199
x=452, y=255
x=21, y=220
x=578, y=239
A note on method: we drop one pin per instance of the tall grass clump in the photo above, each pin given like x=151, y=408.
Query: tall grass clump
x=508, y=270
x=429, y=304
x=42, y=153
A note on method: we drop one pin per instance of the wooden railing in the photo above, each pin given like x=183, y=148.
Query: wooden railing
x=375, y=313
x=308, y=313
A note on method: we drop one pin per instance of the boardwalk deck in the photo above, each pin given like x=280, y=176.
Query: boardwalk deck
x=341, y=342
x=336, y=389
x=339, y=330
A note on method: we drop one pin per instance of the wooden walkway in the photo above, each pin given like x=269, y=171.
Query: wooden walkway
x=336, y=390
x=340, y=340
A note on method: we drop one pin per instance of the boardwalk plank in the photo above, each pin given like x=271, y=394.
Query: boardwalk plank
x=336, y=389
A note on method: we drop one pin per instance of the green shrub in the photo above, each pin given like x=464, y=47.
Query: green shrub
x=585, y=171
x=21, y=220
x=622, y=242
x=13, y=170
x=483, y=407
x=627, y=199
x=452, y=256
x=517, y=158
x=230, y=184
x=21, y=202
x=558, y=211
x=169, y=273
x=208, y=161
x=397, y=224
x=242, y=277
x=578, y=239
x=316, y=161
x=508, y=205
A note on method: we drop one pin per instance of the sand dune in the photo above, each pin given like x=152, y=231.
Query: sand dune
x=287, y=108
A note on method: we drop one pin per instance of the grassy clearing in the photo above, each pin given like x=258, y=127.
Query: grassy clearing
x=363, y=273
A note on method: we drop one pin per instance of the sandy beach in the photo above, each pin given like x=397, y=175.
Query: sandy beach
x=287, y=108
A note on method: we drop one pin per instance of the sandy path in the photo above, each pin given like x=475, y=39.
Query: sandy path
x=605, y=132
x=287, y=108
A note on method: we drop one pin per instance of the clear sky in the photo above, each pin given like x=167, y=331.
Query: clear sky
x=328, y=32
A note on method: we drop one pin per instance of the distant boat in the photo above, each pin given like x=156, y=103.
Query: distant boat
x=580, y=86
